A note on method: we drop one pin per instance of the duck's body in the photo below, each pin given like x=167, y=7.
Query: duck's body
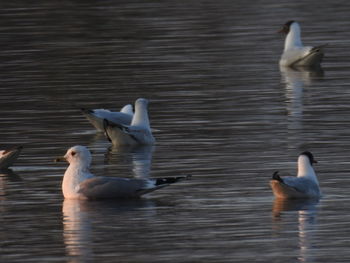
x=304, y=185
x=295, y=53
x=9, y=156
x=79, y=183
x=137, y=133
x=96, y=116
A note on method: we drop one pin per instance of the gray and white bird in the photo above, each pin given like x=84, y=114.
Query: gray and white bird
x=295, y=53
x=304, y=185
x=80, y=183
x=137, y=133
x=9, y=156
x=96, y=116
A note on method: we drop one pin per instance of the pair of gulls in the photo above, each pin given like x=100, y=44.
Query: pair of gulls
x=128, y=128
x=295, y=54
x=124, y=127
x=79, y=183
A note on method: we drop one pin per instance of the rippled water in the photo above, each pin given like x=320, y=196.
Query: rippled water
x=222, y=111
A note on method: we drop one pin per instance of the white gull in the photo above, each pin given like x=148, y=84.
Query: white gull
x=304, y=185
x=295, y=53
x=137, y=133
x=80, y=183
x=96, y=116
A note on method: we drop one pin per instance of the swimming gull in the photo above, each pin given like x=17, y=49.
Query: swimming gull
x=7, y=157
x=80, y=183
x=295, y=53
x=138, y=133
x=304, y=185
x=96, y=116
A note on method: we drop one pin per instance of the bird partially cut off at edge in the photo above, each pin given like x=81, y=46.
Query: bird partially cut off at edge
x=9, y=156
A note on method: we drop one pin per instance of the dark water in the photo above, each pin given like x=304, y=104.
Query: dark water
x=222, y=111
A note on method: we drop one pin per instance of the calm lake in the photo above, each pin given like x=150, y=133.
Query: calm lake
x=221, y=109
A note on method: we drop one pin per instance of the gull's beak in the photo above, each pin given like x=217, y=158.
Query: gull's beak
x=283, y=30
x=60, y=159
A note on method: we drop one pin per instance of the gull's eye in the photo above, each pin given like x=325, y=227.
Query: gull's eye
x=73, y=153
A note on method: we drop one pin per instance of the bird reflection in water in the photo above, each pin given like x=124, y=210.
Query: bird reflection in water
x=305, y=226
x=295, y=81
x=77, y=231
x=81, y=219
x=139, y=156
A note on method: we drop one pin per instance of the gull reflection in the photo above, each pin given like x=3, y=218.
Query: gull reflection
x=77, y=231
x=306, y=224
x=295, y=80
x=130, y=160
x=139, y=156
x=79, y=217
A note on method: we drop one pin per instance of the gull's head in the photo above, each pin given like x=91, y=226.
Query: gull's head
x=78, y=155
x=141, y=102
x=127, y=109
x=306, y=158
x=286, y=27
x=141, y=114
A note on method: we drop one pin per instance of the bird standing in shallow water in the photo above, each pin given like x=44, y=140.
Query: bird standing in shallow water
x=79, y=183
x=304, y=185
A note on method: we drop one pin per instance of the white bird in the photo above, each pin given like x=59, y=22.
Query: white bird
x=138, y=133
x=305, y=185
x=295, y=53
x=79, y=183
x=96, y=116
x=7, y=157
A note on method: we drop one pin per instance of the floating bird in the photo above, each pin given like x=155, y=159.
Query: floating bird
x=138, y=133
x=295, y=53
x=7, y=157
x=96, y=116
x=80, y=183
x=305, y=185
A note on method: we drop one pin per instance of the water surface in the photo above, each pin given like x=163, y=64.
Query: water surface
x=222, y=110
